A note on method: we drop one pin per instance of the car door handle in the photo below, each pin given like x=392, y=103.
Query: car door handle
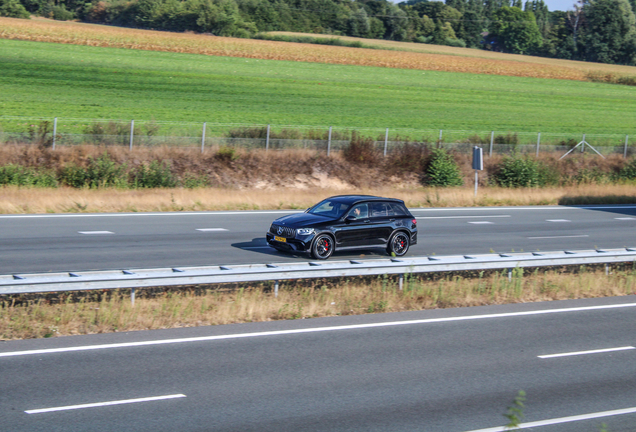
x=392, y=220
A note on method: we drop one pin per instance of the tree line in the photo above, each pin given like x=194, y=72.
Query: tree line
x=596, y=30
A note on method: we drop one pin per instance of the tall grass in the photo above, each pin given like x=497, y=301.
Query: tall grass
x=35, y=316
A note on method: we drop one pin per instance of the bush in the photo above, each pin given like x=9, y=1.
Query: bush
x=16, y=175
x=361, y=150
x=104, y=172
x=73, y=176
x=628, y=172
x=155, y=175
x=514, y=171
x=60, y=13
x=226, y=154
x=442, y=170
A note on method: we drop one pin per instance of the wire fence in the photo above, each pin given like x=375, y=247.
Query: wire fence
x=213, y=136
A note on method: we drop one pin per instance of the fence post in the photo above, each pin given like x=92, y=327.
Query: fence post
x=386, y=140
x=538, y=143
x=492, y=138
x=583, y=142
x=440, y=137
x=203, y=137
x=329, y=142
x=132, y=133
x=55, y=131
x=624, y=153
x=267, y=139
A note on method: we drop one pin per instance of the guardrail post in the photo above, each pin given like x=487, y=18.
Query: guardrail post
x=401, y=282
x=509, y=275
x=606, y=269
x=55, y=133
x=492, y=138
x=132, y=132
x=203, y=137
x=329, y=142
x=132, y=296
x=275, y=288
x=538, y=143
x=386, y=140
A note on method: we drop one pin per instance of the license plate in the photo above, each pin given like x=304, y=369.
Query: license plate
x=280, y=239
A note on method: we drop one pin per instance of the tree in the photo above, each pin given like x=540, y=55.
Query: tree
x=610, y=32
x=514, y=31
x=13, y=9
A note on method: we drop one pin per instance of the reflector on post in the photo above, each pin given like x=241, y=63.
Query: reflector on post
x=478, y=159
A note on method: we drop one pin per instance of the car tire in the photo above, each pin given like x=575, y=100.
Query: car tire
x=323, y=247
x=399, y=244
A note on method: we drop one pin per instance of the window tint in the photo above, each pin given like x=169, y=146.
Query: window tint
x=398, y=209
x=360, y=211
x=329, y=208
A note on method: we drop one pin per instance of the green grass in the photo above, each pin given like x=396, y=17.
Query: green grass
x=70, y=81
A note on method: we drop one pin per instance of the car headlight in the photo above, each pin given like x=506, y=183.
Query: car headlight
x=305, y=231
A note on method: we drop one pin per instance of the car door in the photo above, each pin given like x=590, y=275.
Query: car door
x=354, y=232
x=382, y=218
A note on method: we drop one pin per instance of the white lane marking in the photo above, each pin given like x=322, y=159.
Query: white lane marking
x=551, y=237
x=559, y=420
x=462, y=217
x=101, y=404
x=558, y=220
x=315, y=330
x=626, y=218
x=95, y=232
x=576, y=353
x=481, y=222
x=210, y=229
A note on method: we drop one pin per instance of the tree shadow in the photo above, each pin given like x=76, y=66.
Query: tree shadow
x=620, y=204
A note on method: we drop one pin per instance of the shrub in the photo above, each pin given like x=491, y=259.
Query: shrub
x=442, y=170
x=628, y=172
x=361, y=150
x=155, y=175
x=73, y=176
x=16, y=175
x=514, y=171
x=104, y=172
x=226, y=154
x=409, y=157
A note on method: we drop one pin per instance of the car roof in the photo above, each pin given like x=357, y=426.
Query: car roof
x=352, y=199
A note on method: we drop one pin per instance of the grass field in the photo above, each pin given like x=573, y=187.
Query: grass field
x=73, y=81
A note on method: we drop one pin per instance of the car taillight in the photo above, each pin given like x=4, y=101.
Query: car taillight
x=414, y=221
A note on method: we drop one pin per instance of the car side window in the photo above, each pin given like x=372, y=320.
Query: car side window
x=379, y=209
x=397, y=209
x=360, y=211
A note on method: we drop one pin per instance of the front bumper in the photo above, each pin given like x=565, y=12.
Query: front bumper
x=301, y=245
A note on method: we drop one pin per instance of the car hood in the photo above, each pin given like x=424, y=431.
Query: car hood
x=300, y=220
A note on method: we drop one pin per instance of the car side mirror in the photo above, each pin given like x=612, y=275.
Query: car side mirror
x=350, y=219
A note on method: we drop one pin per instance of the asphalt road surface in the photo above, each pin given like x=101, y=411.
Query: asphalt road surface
x=453, y=370
x=75, y=242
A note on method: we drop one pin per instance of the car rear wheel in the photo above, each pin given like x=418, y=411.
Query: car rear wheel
x=322, y=247
x=399, y=244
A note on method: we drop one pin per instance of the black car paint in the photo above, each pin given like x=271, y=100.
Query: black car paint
x=366, y=232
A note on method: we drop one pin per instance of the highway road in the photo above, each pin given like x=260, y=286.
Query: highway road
x=76, y=242
x=452, y=370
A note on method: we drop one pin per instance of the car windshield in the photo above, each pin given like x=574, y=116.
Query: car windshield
x=329, y=208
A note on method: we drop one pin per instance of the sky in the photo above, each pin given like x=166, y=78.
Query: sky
x=562, y=5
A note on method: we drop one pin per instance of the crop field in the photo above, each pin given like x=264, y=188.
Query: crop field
x=112, y=73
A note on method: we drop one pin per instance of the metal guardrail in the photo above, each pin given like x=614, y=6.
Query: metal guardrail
x=145, y=278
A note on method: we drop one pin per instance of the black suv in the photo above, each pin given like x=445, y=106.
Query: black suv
x=346, y=222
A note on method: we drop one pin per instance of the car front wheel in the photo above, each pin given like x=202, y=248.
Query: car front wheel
x=399, y=244
x=322, y=247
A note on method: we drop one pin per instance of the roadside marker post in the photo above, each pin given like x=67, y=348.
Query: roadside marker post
x=478, y=164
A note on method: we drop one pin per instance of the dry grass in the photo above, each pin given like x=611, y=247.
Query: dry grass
x=21, y=319
x=403, y=55
x=14, y=200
